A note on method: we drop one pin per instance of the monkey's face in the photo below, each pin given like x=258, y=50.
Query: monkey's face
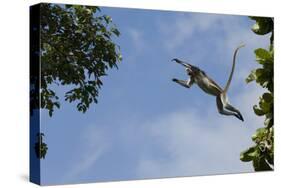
x=190, y=72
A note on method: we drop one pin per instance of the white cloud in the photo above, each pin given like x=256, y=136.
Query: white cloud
x=200, y=144
x=137, y=45
x=179, y=31
x=94, y=147
x=137, y=40
x=220, y=33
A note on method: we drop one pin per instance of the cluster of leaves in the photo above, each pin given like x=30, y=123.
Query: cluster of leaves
x=40, y=147
x=76, y=49
x=262, y=153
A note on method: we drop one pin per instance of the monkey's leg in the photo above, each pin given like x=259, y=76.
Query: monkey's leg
x=184, y=83
x=221, y=107
x=225, y=108
x=231, y=108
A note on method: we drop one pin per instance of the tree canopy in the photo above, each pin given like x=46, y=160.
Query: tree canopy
x=77, y=49
x=262, y=153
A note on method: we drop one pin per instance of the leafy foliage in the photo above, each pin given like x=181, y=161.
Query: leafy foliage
x=262, y=26
x=262, y=153
x=77, y=49
x=40, y=147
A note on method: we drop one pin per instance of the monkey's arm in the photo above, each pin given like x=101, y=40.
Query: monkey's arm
x=184, y=83
x=185, y=64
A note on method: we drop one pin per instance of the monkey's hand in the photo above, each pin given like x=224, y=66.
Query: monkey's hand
x=182, y=82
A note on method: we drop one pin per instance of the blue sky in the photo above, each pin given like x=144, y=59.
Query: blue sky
x=146, y=126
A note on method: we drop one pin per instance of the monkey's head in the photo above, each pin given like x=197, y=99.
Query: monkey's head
x=193, y=71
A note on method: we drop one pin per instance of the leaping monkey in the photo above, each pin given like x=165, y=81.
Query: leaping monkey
x=209, y=86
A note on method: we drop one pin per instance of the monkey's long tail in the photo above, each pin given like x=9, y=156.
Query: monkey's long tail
x=233, y=67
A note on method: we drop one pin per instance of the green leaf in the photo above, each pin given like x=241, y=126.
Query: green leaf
x=260, y=164
x=266, y=107
x=107, y=19
x=267, y=97
x=262, y=54
x=268, y=122
x=50, y=112
x=68, y=6
x=259, y=134
x=88, y=11
x=40, y=147
x=252, y=76
x=262, y=26
x=57, y=104
x=249, y=154
x=258, y=111
x=115, y=31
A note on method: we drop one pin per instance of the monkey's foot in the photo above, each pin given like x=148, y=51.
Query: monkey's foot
x=239, y=116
